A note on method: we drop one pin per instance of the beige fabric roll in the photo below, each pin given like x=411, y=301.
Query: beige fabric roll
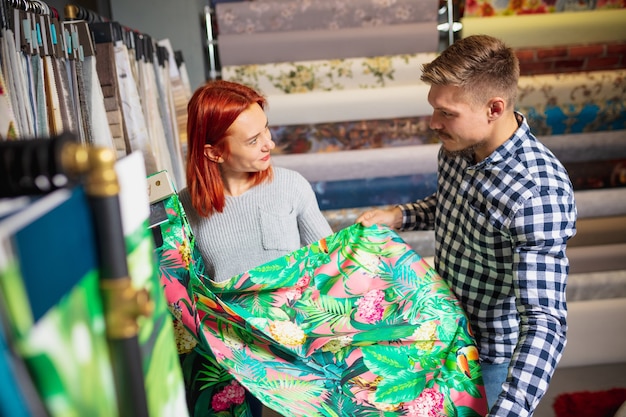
x=551, y=29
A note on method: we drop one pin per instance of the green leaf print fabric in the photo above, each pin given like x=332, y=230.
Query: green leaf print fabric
x=357, y=324
x=45, y=260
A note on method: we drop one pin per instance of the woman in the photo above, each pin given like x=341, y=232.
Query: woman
x=243, y=211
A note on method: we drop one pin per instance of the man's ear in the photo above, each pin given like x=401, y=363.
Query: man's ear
x=497, y=106
x=211, y=153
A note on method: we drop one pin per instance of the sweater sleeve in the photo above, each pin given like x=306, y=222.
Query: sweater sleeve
x=312, y=224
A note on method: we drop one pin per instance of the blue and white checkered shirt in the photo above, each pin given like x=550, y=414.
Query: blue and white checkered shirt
x=501, y=228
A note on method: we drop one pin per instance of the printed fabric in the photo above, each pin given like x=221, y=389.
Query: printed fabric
x=357, y=324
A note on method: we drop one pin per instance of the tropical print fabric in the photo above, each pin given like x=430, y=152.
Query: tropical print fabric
x=58, y=326
x=357, y=324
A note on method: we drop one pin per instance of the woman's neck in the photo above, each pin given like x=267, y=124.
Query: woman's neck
x=236, y=185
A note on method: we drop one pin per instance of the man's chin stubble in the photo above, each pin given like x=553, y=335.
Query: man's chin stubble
x=467, y=153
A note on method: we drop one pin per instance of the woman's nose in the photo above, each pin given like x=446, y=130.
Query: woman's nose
x=268, y=142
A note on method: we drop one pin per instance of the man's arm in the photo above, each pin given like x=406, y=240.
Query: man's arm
x=540, y=232
x=419, y=215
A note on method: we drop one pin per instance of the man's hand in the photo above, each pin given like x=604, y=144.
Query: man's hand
x=390, y=217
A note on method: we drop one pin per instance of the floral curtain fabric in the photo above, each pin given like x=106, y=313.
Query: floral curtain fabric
x=355, y=324
x=486, y=8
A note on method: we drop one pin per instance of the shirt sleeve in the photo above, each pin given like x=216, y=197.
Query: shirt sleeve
x=540, y=230
x=419, y=215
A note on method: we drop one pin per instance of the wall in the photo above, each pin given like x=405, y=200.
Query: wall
x=180, y=21
x=572, y=58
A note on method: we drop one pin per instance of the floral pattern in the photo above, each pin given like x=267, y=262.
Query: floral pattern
x=355, y=324
x=280, y=15
x=486, y=8
x=557, y=104
x=329, y=75
x=361, y=134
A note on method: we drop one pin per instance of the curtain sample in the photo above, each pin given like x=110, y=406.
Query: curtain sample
x=287, y=15
x=58, y=324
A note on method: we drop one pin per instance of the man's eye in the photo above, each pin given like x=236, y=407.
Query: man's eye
x=254, y=141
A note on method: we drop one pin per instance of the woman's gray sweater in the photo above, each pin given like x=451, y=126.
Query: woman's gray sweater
x=267, y=221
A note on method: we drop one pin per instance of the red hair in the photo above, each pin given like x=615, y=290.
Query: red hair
x=213, y=108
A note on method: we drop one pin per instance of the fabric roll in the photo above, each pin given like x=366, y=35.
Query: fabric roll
x=149, y=95
x=288, y=15
x=348, y=105
x=601, y=202
x=19, y=81
x=8, y=126
x=558, y=104
x=134, y=119
x=170, y=128
x=81, y=109
x=66, y=99
x=598, y=258
x=302, y=45
x=42, y=129
x=488, y=8
x=597, y=174
x=53, y=102
x=330, y=74
x=551, y=29
x=588, y=146
x=352, y=135
x=363, y=163
x=98, y=123
x=180, y=96
x=105, y=67
x=374, y=191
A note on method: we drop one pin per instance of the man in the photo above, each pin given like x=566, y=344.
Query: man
x=502, y=214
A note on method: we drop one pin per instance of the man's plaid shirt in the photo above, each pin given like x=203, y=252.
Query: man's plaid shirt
x=501, y=228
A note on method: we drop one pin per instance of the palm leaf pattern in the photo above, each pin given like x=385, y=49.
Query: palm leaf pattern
x=355, y=324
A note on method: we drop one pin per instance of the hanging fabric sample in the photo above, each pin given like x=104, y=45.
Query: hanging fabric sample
x=58, y=323
x=356, y=323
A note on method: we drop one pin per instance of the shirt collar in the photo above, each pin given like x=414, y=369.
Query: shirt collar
x=510, y=146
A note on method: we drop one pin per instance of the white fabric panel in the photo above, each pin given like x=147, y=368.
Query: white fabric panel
x=342, y=105
x=364, y=163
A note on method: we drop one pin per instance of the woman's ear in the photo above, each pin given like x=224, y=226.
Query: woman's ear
x=211, y=153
